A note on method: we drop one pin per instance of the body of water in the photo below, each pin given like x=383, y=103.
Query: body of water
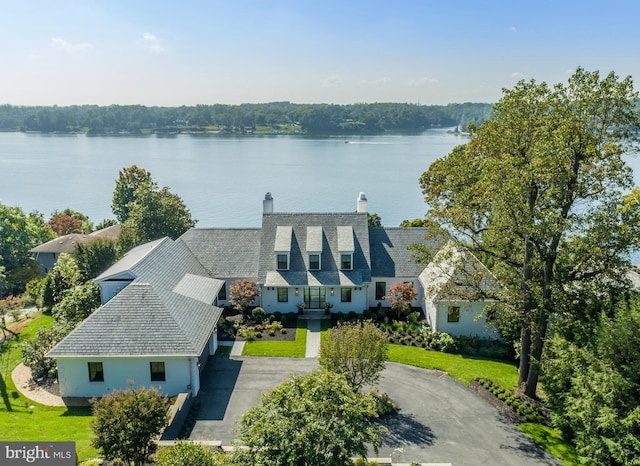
x=223, y=180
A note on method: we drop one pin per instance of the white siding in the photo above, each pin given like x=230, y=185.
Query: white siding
x=111, y=288
x=358, y=299
x=73, y=375
x=391, y=281
x=472, y=320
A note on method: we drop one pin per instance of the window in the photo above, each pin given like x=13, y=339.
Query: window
x=345, y=295
x=381, y=290
x=283, y=295
x=345, y=261
x=453, y=314
x=96, y=373
x=314, y=261
x=222, y=294
x=157, y=371
x=282, y=261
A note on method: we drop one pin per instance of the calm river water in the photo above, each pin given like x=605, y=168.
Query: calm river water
x=223, y=179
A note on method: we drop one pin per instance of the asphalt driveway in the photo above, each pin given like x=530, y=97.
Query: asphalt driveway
x=440, y=420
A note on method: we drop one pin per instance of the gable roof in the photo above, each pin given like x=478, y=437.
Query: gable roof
x=456, y=274
x=166, y=310
x=226, y=252
x=67, y=243
x=389, y=254
x=331, y=224
x=138, y=322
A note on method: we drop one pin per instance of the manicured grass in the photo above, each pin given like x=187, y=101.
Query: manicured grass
x=551, y=440
x=24, y=420
x=462, y=368
x=289, y=349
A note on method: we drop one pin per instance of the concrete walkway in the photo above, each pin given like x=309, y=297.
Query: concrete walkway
x=313, y=338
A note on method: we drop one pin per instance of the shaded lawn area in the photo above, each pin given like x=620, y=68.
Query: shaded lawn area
x=462, y=368
x=24, y=420
x=289, y=349
x=551, y=440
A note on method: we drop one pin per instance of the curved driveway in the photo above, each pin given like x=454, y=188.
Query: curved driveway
x=440, y=420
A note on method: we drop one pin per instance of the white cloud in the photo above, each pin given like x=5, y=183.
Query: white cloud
x=422, y=82
x=152, y=42
x=377, y=82
x=332, y=81
x=67, y=46
x=517, y=75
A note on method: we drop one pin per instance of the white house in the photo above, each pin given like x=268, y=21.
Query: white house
x=158, y=320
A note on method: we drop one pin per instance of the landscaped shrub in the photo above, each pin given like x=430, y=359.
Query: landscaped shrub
x=283, y=331
x=258, y=314
x=528, y=409
x=277, y=316
x=186, y=454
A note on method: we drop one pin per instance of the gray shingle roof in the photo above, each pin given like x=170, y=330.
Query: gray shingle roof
x=389, y=254
x=137, y=322
x=226, y=253
x=130, y=259
x=67, y=243
x=330, y=257
x=168, y=296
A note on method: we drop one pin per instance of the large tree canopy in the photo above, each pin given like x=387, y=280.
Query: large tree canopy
x=19, y=233
x=129, y=179
x=147, y=212
x=538, y=190
x=316, y=419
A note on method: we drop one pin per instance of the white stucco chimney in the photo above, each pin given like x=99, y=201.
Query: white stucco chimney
x=267, y=204
x=362, y=204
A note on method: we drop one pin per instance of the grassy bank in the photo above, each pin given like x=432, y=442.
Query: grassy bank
x=289, y=349
x=22, y=419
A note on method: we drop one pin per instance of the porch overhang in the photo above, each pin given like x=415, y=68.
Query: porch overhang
x=338, y=278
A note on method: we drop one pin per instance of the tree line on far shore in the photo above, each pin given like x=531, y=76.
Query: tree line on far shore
x=276, y=117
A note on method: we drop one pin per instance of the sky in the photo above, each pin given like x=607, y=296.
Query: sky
x=176, y=53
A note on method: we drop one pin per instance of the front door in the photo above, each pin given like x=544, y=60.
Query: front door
x=314, y=297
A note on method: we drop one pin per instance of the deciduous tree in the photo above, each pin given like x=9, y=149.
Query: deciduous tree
x=129, y=179
x=94, y=257
x=315, y=420
x=538, y=190
x=401, y=295
x=242, y=293
x=127, y=421
x=65, y=224
x=357, y=350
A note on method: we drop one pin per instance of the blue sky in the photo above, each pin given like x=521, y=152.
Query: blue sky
x=234, y=51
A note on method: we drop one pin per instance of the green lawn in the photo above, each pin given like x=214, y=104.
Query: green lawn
x=23, y=419
x=290, y=349
x=551, y=440
x=462, y=368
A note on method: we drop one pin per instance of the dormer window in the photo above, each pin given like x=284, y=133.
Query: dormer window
x=346, y=261
x=282, y=246
x=282, y=261
x=314, y=261
x=346, y=247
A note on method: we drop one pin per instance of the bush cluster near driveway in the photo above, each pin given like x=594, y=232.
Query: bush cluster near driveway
x=256, y=324
x=22, y=419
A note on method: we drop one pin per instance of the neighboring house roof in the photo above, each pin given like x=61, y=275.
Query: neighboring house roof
x=112, y=232
x=226, y=252
x=166, y=310
x=389, y=254
x=456, y=274
x=332, y=232
x=67, y=243
x=138, y=322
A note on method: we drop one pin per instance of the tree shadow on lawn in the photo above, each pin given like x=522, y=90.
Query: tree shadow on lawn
x=405, y=430
x=525, y=445
x=5, y=395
